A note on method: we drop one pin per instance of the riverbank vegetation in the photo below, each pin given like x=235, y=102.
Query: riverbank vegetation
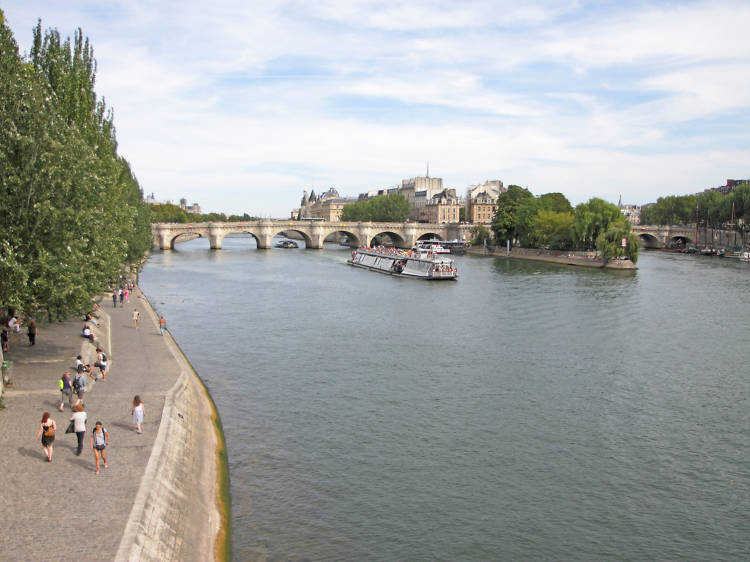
x=389, y=208
x=550, y=222
x=71, y=210
x=710, y=209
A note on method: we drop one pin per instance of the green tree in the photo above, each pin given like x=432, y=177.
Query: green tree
x=553, y=229
x=593, y=219
x=556, y=202
x=482, y=234
x=505, y=223
x=388, y=208
x=71, y=210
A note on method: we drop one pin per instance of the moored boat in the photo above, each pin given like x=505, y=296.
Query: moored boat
x=405, y=263
x=286, y=244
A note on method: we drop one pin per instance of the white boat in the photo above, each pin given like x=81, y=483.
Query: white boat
x=405, y=263
x=745, y=256
x=435, y=246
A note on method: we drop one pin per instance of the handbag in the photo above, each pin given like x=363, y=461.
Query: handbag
x=49, y=432
x=70, y=428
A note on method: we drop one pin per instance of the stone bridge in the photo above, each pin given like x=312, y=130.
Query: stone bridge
x=314, y=233
x=654, y=236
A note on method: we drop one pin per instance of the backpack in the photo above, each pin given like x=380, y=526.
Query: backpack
x=104, y=357
x=79, y=382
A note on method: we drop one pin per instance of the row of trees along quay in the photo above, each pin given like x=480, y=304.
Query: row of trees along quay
x=709, y=210
x=550, y=222
x=71, y=209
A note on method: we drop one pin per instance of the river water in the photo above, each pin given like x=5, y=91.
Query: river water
x=526, y=411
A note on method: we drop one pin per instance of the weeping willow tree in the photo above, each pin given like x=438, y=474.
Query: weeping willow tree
x=71, y=210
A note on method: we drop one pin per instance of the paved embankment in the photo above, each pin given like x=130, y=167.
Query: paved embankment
x=158, y=499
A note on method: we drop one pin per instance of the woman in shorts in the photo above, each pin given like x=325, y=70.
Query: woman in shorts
x=99, y=441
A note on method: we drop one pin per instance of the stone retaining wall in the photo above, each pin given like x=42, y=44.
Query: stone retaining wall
x=176, y=513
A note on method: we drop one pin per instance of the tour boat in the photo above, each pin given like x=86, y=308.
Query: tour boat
x=435, y=246
x=421, y=264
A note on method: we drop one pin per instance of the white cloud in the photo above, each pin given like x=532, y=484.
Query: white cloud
x=237, y=107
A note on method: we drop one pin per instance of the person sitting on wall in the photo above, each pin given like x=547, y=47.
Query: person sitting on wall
x=86, y=333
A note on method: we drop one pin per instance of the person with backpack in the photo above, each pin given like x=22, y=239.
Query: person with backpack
x=79, y=385
x=101, y=362
x=66, y=389
x=99, y=441
x=47, y=433
x=79, y=426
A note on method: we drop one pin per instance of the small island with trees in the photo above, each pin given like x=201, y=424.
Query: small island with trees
x=548, y=228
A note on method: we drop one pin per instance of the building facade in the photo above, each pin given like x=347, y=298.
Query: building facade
x=328, y=206
x=481, y=201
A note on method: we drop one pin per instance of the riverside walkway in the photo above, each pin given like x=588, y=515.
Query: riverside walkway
x=157, y=500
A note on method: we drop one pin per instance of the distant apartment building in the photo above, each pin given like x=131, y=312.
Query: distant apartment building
x=481, y=201
x=631, y=212
x=441, y=208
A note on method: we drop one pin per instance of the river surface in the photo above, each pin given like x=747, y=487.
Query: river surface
x=528, y=411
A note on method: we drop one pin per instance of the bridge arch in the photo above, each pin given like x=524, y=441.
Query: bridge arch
x=185, y=236
x=351, y=238
x=682, y=240
x=396, y=239
x=649, y=240
x=304, y=235
x=430, y=236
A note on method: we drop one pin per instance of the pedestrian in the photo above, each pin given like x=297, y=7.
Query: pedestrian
x=79, y=426
x=101, y=362
x=47, y=433
x=79, y=385
x=4, y=340
x=66, y=389
x=127, y=294
x=138, y=412
x=99, y=440
x=32, y=331
x=136, y=316
x=162, y=325
x=122, y=298
x=114, y=298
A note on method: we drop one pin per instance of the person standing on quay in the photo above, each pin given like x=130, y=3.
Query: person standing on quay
x=136, y=316
x=66, y=389
x=122, y=298
x=138, y=412
x=4, y=339
x=99, y=441
x=79, y=426
x=114, y=298
x=32, y=331
x=162, y=325
x=47, y=432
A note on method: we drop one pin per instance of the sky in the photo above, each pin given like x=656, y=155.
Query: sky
x=240, y=106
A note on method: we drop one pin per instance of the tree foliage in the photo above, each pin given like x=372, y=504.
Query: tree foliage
x=674, y=209
x=388, y=208
x=505, y=222
x=72, y=211
x=167, y=212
